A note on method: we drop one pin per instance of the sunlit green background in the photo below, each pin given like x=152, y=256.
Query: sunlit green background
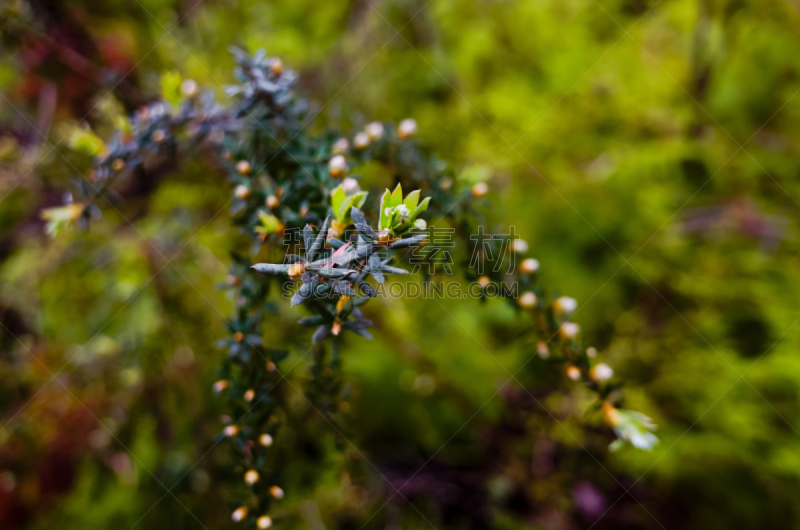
x=649, y=153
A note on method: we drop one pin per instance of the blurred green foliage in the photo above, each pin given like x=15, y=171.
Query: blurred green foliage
x=647, y=150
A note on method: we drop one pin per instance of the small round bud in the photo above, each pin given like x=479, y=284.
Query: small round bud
x=230, y=431
x=272, y=202
x=337, y=166
x=529, y=266
x=520, y=246
x=445, y=183
x=336, y=329
x=241, y=191
x=238, y=336
x=407, y=128
x=349, y=185
x=573, y=373
x=118, y=165
x=480, y=189
x=374, y=130
x=265, y=440
x=483, y=281
x=340, y=146
x=420, y=224
x=251, y=477
x=263, y=522
x=239, y=514
x=271, y=367
x=189, y=88
x=276, y=492
x=361, y=141
x=601, y=372
x=219, y=386
x=542, y=349
x=569, y=330
x=249, y=394
x=295, y=270
x=527, y=300
x=591, y=351
x=564, y=306
x=276, y=67
x=159, y=135
x=243, y=167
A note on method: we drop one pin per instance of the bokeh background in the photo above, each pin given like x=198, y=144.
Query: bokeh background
x=647, y=150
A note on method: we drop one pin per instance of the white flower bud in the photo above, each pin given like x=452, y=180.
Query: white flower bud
x=564, y=306
x=239, y=514
x=403, y=213
x=527, y=300
x=529, y=266
x=264, y=522
x=520, y=246
x=573, y=373
x=569, y=330
x=361, y=140
x=349, y=185
x=480, y=189
x=420, y=224
x=251, y=477
x=374, y=130
x=337, y=166
x=407, y=128
x=189, y=88
x=602, y=372
x=340, y=146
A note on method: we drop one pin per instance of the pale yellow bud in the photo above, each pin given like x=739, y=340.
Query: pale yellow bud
x=483, y=281
x=241, y=191
x=264, y=522
x=249, y=395
x=265, y=440
x=251, y=477
x=219, y=386
x=272, y=202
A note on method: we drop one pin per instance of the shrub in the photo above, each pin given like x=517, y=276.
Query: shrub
x=296, y=204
